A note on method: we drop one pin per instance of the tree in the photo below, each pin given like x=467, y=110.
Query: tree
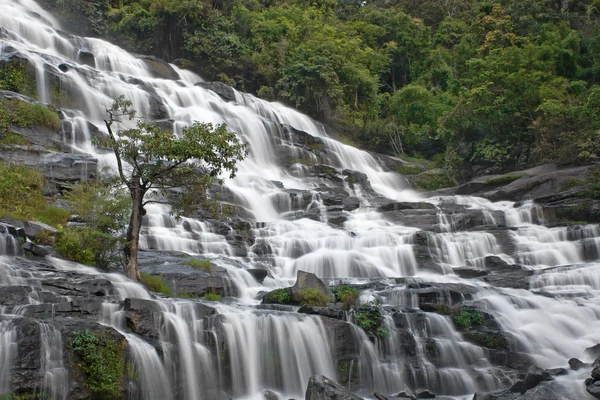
x=157, y=166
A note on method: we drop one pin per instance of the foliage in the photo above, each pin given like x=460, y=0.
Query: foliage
x=21, y=192
x=156, y=283
x=103, y=361
x=204, y=265
x=212, y=297
x=15, y=77
x=428, y=181
x=347, y=295
x=28, y=115
x=314, y=297
x=278, y=296
x=370, y=318
x=466, y=319
x=408, y=169
x=157, y=165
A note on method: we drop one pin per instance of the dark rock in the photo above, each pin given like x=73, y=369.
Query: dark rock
x=592, y=352
x=307, y=280
x=596, y=373
x=400, y=205
x=37, y=250
x=159, y=68
x=258, y=274
x=534, y=377
x=468, y=272
x=323, y=311
x=87, y=58
x=14, y=295
x=323, y=388
x=593, y=389
x=424, y=394
x=407, y=394
x=577, y=364
x=270, y=395
x=351, y=203
x=379, y=396
x=224, y=91
x=557, y=371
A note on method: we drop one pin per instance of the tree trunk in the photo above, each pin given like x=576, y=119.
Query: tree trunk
x=133, y=233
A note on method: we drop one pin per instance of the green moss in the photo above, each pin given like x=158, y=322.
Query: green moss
x=347, y=372
x=12, y=139
x=428, y=182
x=204, y=265
x=212, y=297
x=571, y=182
x=17, y=77
x=28, y=115
x=156, y=283
x=186, y=295
x=466, y=319
x=347, y=295
x=314, y=297
x=503, y=180
x=408, y=169
x=102, y=360
x=316, y=146
x=279, y=296
x=492, y=340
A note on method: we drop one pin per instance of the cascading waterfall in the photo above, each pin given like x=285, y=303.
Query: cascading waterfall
x=240, y=350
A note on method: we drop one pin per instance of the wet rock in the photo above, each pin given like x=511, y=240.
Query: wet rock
x=37, y=250
x=402, y=205
x=14, y=295
x=258, y=274
x=596, y=373
x=424, y=394
x=379, y=396
x=307, y=280
x=159, y=68
x=594, y=389
x=225, y=92
x=407, y=394
x=577, y=364
x=270, y=395
x=469, y=272
x=592, y=352
x=87, y=58
x=351, y=203
x=534, y=377
x=323, y=311
x=323, y=388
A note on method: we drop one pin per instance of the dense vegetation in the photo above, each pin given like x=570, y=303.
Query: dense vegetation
x=468, y=83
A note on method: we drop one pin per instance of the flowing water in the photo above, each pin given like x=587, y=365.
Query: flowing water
x=236, y=349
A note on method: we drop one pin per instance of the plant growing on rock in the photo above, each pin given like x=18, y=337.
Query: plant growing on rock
x=153, y=160
x=103, y=360
x=347, y=295
x=466, y=319
x=212, y=297
x=278, y=296
x=204, y=265
x=314, y=297
x=156, y=283
x=370, y=318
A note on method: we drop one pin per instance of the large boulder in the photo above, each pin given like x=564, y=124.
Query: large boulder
x=307, y=280
x=33, y=229
x=323, y=388
x=225, y=92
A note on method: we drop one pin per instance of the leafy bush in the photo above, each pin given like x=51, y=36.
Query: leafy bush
x=408, y=169
x=432, y=181
x=156, y=283
x=212, y=297
x=279, y=296
x=314, y=297
x=347, y=295
x=21, y=192
x=103, y=361
x=28, y=115
x=204, y=265
x=70, y=244
x=466, y=319
x=370, y=319
x=16, y=78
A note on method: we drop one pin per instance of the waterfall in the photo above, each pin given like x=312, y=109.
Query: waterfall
x=332, y=210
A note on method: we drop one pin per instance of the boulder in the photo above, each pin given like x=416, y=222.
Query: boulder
x=159, y=68
x=258, y=274
x=593, y=388
x=407, y=394
x=425, y=394
x=33, y=229
x=225, y=92
x=37, y=250
x=323, y=388
x=592, y=352
x=577, y=364
x=534, y=377
x=270, y=395
x=87, y=58
x=307, y=280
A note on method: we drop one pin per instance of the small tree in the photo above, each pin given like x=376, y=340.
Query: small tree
x=176, y=170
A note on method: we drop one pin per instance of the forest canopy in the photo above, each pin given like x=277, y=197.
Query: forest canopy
x=472, y=84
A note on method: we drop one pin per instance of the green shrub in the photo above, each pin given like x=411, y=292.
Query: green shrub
x=103, y=361
x=314, y=297
x=347, y=295
x=70, y=245
x=466, y=319
x=212, y=297
x=156, y=283
x=428, y=182
x=204, y=265
x=16, y=78
x=279, y=296
x=408, y=169
x=10, y=139
x=186, y=295
x=370, y=319
x=54, y=216
x=21, y=192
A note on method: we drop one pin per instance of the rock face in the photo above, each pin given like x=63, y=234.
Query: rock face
x=224, y=91
x=307, y=280
x=323, y=388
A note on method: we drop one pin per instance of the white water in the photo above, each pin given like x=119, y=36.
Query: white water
x=277, y=350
